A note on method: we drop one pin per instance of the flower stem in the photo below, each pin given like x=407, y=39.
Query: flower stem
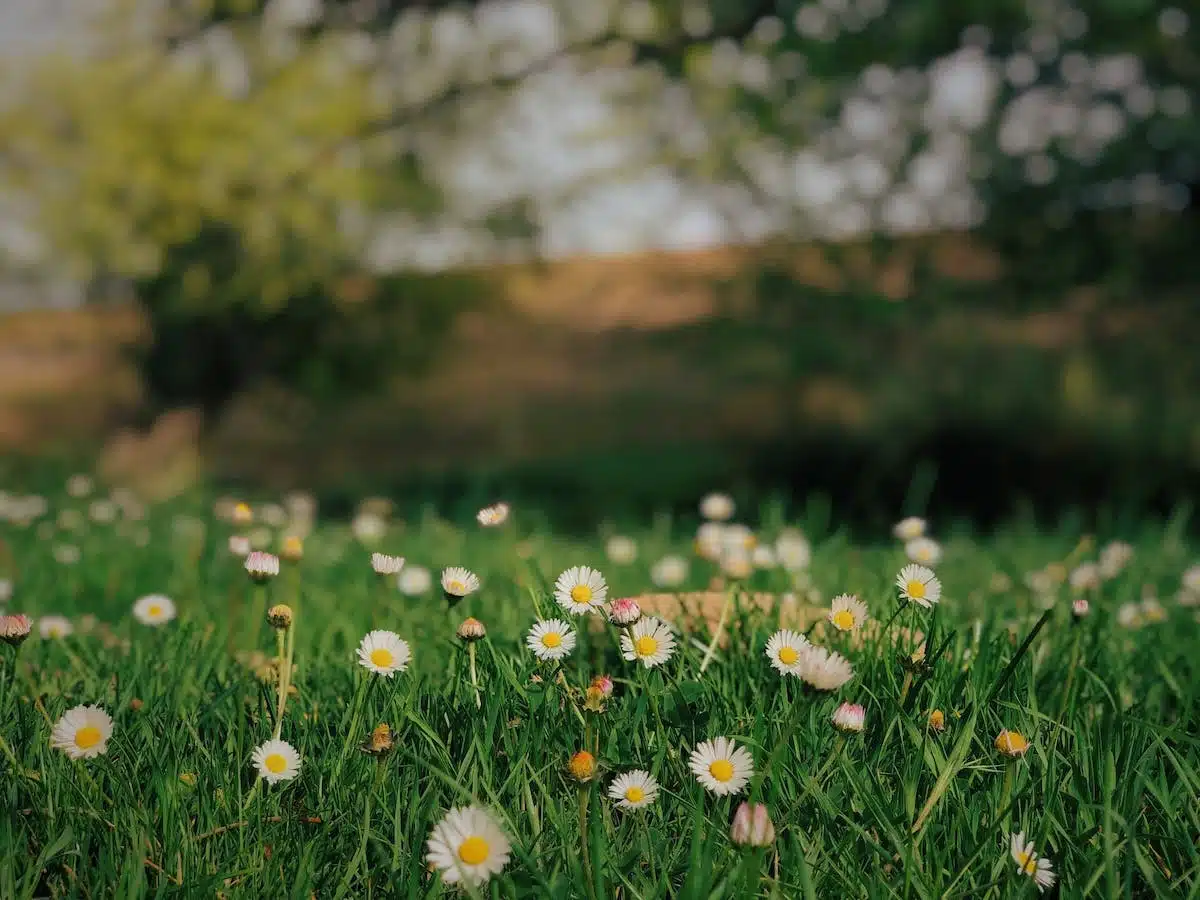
x=720, y=629
x=474, y=677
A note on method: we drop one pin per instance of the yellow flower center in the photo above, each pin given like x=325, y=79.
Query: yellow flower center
x=581, y=593
x=721, y=769
x=646, y=646
x=87, y=737
x=275, y=763
x=154, y=611
x=788, y=655
x=843, y=620
x=473, y=851
x=915, y=589
x=456, y=587
x=635, y=794
x=551, y=639
x=1027, y=862
x=382, y=657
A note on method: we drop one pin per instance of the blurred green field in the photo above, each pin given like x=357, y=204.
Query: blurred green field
x=1107, y=791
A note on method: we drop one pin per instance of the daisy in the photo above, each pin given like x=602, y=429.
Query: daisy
x=649, y=640
x=491, y=516
x=669, y=572
x=384, y=653
x=738, y=539
x=467, y=845
x=458, y=582
x=710, y=538
x=847, y=613
x=239, y=545
x=793, y=550
x=919, y=585
x=717, y=507
x=262, y=566
x=721, y=766
x=923, y=550
x=54, y=627
x=624, y=611
x=414, y=581
x=621, y=550
x=368, y=527
x=276, y=761
x=1085, y=576
x=1113, y=558
x=1029, y=863
x=849, y=717
x=552, y=640
x=383, y=564
x=764, y=557
x=634, y=790
x=909, y=529
x=82, y=732
x=785, y=650
x=14, y=629
x=824, y=670
x=580, y=589
x=154, y=609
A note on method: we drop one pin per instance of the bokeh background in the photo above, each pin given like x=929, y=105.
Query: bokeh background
x=603, y=256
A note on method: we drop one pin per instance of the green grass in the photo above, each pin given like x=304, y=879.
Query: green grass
x=1108, y=789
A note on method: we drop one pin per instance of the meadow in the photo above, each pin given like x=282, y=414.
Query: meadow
x=1051, y=692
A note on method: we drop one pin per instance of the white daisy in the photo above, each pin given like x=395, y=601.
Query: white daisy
x=764, y=557
x=649, y=641
x=458, y=582
x=368, y=527
x=909, y=529
x=1085, y=577
x=468, y=845
x=919, y=585
x=414, y=581
x=634, y=790
x=262, y=566
x=553, y=639
x=1029, y=863
x=79, y=485
x=824, y=670
x=580, y=590
x=154, y=609
x=710, y=539
x=1114, y=557
x=492, y=516
x=239, y=545
x=383, y=564
x=82, y=732
x=276, y=761
x=621, y=550
x=54, y=627
x=785, y=650
x=384, y=653
x=669, y=572
x=793, y=550
x=923, y=550
x=847, y=613
x=721, y=766
x=738, y=538
x=849, y=717
x=717, y=507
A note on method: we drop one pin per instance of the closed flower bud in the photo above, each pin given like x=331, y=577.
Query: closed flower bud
x=280, y=616
x=471, y=629
x=582, y=766
x=937, y=720
x=1080, y=608
x=380, y=742
x=752, y=826
x=849, y=717
x=604, y=684
x=262, y=566
x=1011, y=743
x=593, y=699
x=14, y=629
x=624, y=612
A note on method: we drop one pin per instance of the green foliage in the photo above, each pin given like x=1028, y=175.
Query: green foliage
x=1108, y=790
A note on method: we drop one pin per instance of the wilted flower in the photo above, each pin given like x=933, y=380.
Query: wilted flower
x=280, y=616
x=603, y=684
x=380, y=741
x=582, y=766
x=752, y=826
x=470, y=630
x=624, y=611
x=491, y=516
x=1011, y=743
x=849, y=717
x=383, y=564
x=262, y=566
x=937, y=720
x=621, y=550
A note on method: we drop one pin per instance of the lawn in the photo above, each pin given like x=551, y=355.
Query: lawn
x=921, y=802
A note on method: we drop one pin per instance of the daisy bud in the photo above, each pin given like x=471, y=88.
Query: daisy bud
x=136, y=704
x=1080, y=608
x=1011, y=743
x=937, y=720
x=380, y=742
x=239, y=545
x=262, y=566
x=582, y=766
x=280, y=616
x=604, y=685
x=493, y=516
x=292, y=549
x=849, y=717
x=624, y=612
x=386, y=565
x=242, y=515
x=470, y=630
x=188, y=778
x=752, y=826
x=14, y=629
